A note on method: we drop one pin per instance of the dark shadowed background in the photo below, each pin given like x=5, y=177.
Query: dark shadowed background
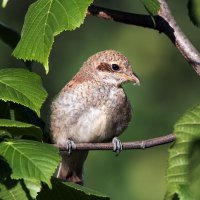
x=169, y=86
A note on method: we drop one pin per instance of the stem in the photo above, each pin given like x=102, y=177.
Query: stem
x=163, y=22
x=126, y=145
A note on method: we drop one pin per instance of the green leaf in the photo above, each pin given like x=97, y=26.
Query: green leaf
x=194, y=11
x=33, y=186
x=152, y=6
x=44, y=20
x=17, y=128
x=12, y=191
x=23, y=87
x=30, y=160
x=9, y=36
x=187, y=131
x=61, y=190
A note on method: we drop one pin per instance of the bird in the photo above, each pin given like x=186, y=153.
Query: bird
x=92, y=107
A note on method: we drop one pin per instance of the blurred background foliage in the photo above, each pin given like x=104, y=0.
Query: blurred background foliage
x=169, y=86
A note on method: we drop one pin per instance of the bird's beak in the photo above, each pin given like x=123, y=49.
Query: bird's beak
x=133, y=78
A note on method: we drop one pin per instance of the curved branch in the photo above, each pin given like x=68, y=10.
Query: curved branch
x=163, y=22
x=126, y=145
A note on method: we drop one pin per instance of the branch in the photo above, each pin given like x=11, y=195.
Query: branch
x=126, y=145
x=163, y=22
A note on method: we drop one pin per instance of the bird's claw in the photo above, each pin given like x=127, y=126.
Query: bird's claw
x=70, y=145
x=117, y=145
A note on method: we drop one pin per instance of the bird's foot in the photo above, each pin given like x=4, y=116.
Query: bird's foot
x=70, y=145
x=117, y=145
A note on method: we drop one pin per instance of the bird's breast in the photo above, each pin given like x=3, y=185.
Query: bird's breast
x=90, y=113
x=107, y=115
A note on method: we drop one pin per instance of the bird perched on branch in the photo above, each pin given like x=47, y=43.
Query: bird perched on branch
x=93, y=108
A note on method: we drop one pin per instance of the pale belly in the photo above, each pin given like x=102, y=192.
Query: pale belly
x=91, y=126
x=79, y=120
x=95, y=125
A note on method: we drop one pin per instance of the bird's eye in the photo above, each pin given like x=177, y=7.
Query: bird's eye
x=115, y=67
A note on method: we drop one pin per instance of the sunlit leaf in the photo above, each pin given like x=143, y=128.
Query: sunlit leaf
x=187, y=131
x=12, y=191
x=4, y=3
x=23, y=87
x=33, y=186
x=44, y=20
x=30, y=160
x=16, y=128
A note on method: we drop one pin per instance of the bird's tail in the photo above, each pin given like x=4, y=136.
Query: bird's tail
x=71, y=167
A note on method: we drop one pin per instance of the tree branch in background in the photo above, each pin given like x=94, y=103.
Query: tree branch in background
x=163, y=22
x=126, y=145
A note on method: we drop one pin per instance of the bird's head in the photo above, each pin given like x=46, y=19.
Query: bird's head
x=110, y=67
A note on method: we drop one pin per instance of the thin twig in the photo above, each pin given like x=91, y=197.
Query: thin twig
x=163, y=22
x=126, y=145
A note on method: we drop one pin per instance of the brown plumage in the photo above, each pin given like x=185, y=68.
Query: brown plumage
x=92, y=107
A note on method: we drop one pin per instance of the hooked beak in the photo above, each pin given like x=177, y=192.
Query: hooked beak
x=133, y=78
